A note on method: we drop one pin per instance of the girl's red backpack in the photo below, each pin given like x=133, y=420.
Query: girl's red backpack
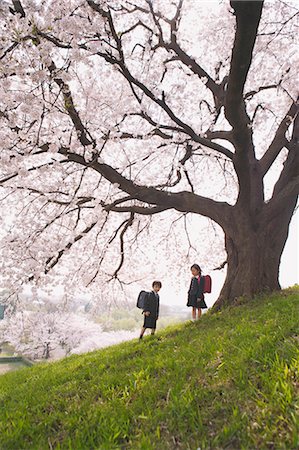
x=207, y=287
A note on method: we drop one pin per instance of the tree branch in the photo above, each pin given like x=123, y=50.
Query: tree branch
x=53, y=260
x=83, y=134
x=279, y=141
x=216, y=89
x=219, y=134
x=18, y=8
x=142, y=210
x=250, y=94
x=248, y=14
x=286, y=189
x=159, y=101
x=183, y=201
x=128, y=223
x=9, y=49
x=221, y=266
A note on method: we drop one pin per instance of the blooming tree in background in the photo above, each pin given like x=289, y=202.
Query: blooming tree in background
x=120, y=118
x=52, y=335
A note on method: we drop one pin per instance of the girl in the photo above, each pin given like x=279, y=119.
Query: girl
x=195, y=293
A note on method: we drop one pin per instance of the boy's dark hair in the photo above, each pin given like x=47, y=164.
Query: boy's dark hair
x=157, y=283
x=196, y=266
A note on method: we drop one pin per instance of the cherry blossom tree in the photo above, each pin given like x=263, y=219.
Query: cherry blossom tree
x=53, y=335
x=115, y=114
x=40, y=333
x=35, y=335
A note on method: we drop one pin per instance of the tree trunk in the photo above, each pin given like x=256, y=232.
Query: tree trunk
x=254, y=249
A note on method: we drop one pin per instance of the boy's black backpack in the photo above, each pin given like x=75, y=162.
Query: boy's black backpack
x=141, y=299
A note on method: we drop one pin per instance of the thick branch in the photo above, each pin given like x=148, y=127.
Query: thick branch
x=183, y=201
x=280, y=139
x=282, y=199
x=248, y=14
x=18, y=8
x=286, y=189
x=219, y=134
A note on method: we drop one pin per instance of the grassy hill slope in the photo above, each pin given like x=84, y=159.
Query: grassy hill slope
x=230, y=380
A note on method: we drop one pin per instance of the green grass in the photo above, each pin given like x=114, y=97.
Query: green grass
x=228, y=381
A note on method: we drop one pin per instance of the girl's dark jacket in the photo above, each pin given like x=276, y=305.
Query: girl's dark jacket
x=195, y=293
x=151, y=304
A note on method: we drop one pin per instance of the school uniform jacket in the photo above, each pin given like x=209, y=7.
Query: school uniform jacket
x=195, y=293
x=151, y=304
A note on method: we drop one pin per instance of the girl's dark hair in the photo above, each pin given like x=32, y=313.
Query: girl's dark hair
x=196, y=266
x=157, y=283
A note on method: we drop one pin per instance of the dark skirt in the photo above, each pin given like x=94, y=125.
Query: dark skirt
x=150, y=322
x=201, y=303
x=197, y=303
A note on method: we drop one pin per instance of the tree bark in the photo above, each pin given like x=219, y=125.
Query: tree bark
x=258, y=230
x=254, y=250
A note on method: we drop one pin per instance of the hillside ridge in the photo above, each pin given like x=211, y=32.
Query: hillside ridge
x=229, y=380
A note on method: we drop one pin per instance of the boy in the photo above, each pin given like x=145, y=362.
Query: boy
x=151, y=309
